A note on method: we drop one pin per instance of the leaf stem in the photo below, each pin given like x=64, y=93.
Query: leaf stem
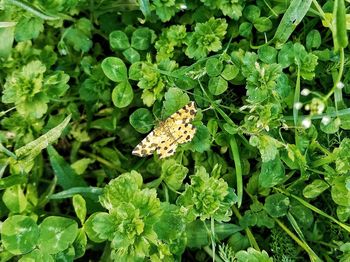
x=315, y=209
x=249, y=233
x=32, y=9
x=238, y=167
x=311, y=253
x=102, y=161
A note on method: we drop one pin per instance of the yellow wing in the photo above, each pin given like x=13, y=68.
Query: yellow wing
x=165, y=138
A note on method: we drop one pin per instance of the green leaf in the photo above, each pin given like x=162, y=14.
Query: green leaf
x=175, y=99
x=19, y=234
x=28, y=28
x=12, y=180
x=81, y=165
x=342, y=157
x=253, y=255
x=302, y=215
x=57, y=234
x=313, y=39
x=197, y=232
x=38, y=256
x=99, y=227
x=267, y=54
x=164, y=10
x=217, y=85
x=206, y=38
x=14, y=199
x=131, y=55
x=79, y=205
x=214, y=67
x=142, y=38
x=119, y=40
x=172, y=224
x=173, y=174
x=142, y=120
x=277, y=205
x=343, y=213
x=122, y=95
x=340, y=36
x=245, y=29
x=230, y=72
x=7, y=36
x=80, y=243
x=315, y=188
x=272, y=173
x=202, y=140
x=331, y=127
x=268, y=146
x=291, y=18
x=263, y=24
x=115, y=69
x=32, y=149
x=66, y=177
x=207, y=197
x=135, y=72
x=79, y=35
x=251, y=13
x=340, y=192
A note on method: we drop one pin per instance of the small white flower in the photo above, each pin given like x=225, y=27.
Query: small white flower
x=183, y=7
x=306, y=123
x=325, y=120
x=305, y=92
x=298, y=105
x=340, y=85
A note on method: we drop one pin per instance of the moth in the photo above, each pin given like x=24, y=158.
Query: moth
x=173, y=131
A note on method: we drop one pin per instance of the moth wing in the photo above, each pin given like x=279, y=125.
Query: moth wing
x=185, y=132
x=186, y=114
x=148, y=145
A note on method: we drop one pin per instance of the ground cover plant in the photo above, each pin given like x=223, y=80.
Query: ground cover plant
x=265, y=176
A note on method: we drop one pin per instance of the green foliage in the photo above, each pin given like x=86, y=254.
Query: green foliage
x=207, y=197
x=266, y=175
x=206, y=38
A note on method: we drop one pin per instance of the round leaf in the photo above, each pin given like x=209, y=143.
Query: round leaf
x=57, y=234
x=230, y=72
x=277, y=205
x=214, y=67
x=313, y=39
x=267, y=54
x=99, y=227
x=340, y=194
x=119, y=40
x=115, y=69
x=141, y=39
x=263, y=24
x=315, y=188
x=19, y=234
x=122, y=95
x=131, y=55
x=142, y=120
x=217, y=85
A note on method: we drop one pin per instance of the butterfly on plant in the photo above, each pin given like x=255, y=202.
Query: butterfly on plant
x=164, y=139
